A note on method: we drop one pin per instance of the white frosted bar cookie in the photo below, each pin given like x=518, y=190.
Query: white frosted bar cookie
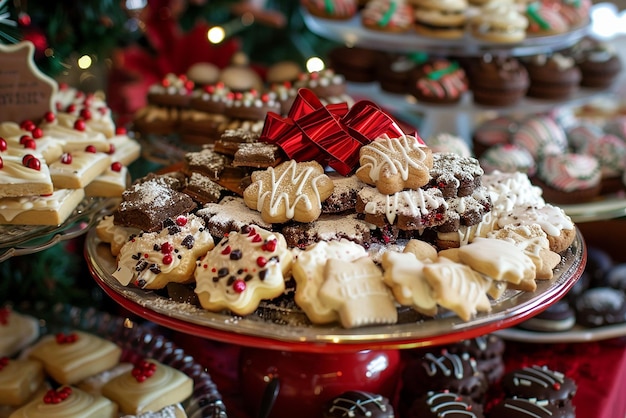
x=40, y=210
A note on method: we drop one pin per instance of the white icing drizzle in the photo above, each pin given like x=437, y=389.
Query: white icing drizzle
x=415, y=203
x=542, y=376
x=393, y=155
x=436, y=364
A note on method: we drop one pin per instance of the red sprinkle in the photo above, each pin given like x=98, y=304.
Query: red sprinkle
x=226, y=250
x=143, y=370
x=181, y=221
x=257, y=238
x=239, y=286
x=167, y=259
x=66, y=158
x=57, y=396
x=37, y=133
x=120, y=130
x=80, y=125
x=270, y=245
x=261, y=261
x=116, y=166
x=62, y=338
x=166, y=248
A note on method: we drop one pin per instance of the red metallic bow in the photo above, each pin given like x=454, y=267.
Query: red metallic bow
x=332, y=135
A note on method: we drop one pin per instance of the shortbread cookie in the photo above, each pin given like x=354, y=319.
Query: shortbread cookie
x=112, y=182
x=308, y=272
x=20, y=141
x=458, y=288
x=71, y=357
x=17, y=331
x=125, y=149
x=149, y=202
x=292, y=190
x=150, y=386
x=421, y=249
x=230, y=214
x=75, y=138
x=498, y=259
x=52, y=209
x=76, y=169
x=114, y=235
x=395, y=164
x=243, y=269
x=19, y=380
x=67, y=402
x=24, y=176
x=408, y=209
x=455, y=175
x=534, y=241
x=151, y=260
x=328, y=228
x=357, y=292
x=403, y=273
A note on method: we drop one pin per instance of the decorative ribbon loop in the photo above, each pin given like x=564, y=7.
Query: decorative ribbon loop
x=331, y=135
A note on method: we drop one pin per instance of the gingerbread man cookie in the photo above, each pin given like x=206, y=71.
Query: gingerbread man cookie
x=243, y=269
x=395, y=164
x=292, y=190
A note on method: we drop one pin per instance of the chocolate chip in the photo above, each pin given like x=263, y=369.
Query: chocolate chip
x=188, y=242
x=262, y=274
x=222, y=272
x=236, y=254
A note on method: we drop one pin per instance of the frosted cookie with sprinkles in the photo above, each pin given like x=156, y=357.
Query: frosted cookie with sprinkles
x=243, y=269
x=328, y=228
x=358, y=404
x=151, y=260
x=230, y=214
x=394, y=164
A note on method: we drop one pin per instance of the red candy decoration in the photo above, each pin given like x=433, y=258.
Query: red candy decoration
x=27, y=125
x=57, y=396
x=120, y=130
x=1, y=163
x=37, y=133
x=226, y=250
x=66, y=158
x=181, y=220
x=5, y=313
x=143, y=370
x=49, y=117
x=239, y=286
x=270, y=245
x=166, y=248
x=336, y=132
x=62, y=338
x=85, y=114
x=257, y=238
x=167, y=259
x=80, y=125
x=91, y=148
x=261, y=261
x=3, y=144
x=116, y=166
x=32, y=162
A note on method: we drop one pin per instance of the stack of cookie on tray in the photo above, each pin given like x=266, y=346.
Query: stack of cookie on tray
x=48, y=166
x=354, y=219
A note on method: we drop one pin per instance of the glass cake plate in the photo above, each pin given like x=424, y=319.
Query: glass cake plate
x=27, y=239
x=137, y=342
x=578, y=334
x=284, y=327
x=604, y=208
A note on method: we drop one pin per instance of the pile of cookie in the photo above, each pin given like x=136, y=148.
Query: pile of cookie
x=48, y=166
x=403, y=226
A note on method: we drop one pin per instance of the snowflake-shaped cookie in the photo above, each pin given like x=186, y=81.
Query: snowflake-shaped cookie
x=291, y=191
x=395, y=164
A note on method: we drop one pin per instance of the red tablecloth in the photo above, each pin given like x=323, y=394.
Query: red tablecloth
x=599, y=369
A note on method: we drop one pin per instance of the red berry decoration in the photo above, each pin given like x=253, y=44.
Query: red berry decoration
x=270, y=245
x=37, y=133
x=167, y=248
x=239, y=286
x=1, y=163
x=62, y=338
x=32, y=162
x=71, y=108
x=261, y=261
x=85, y=114
x=181, y=221
x=57, y=396
x=27, y=125
x=91, y=148
x=111, y=149
x=80, y=125
x=3, y=144
x=49, y=117
x=167, y=259
x=120, y=130
x=66, y=158
x=143, y=370
x=116, y=166
x=226, y=250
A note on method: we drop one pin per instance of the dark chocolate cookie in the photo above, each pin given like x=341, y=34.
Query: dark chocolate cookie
x=358, y=404
x=600, y=306
x=541, y=383
x=524, y=408
x=444, y=403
